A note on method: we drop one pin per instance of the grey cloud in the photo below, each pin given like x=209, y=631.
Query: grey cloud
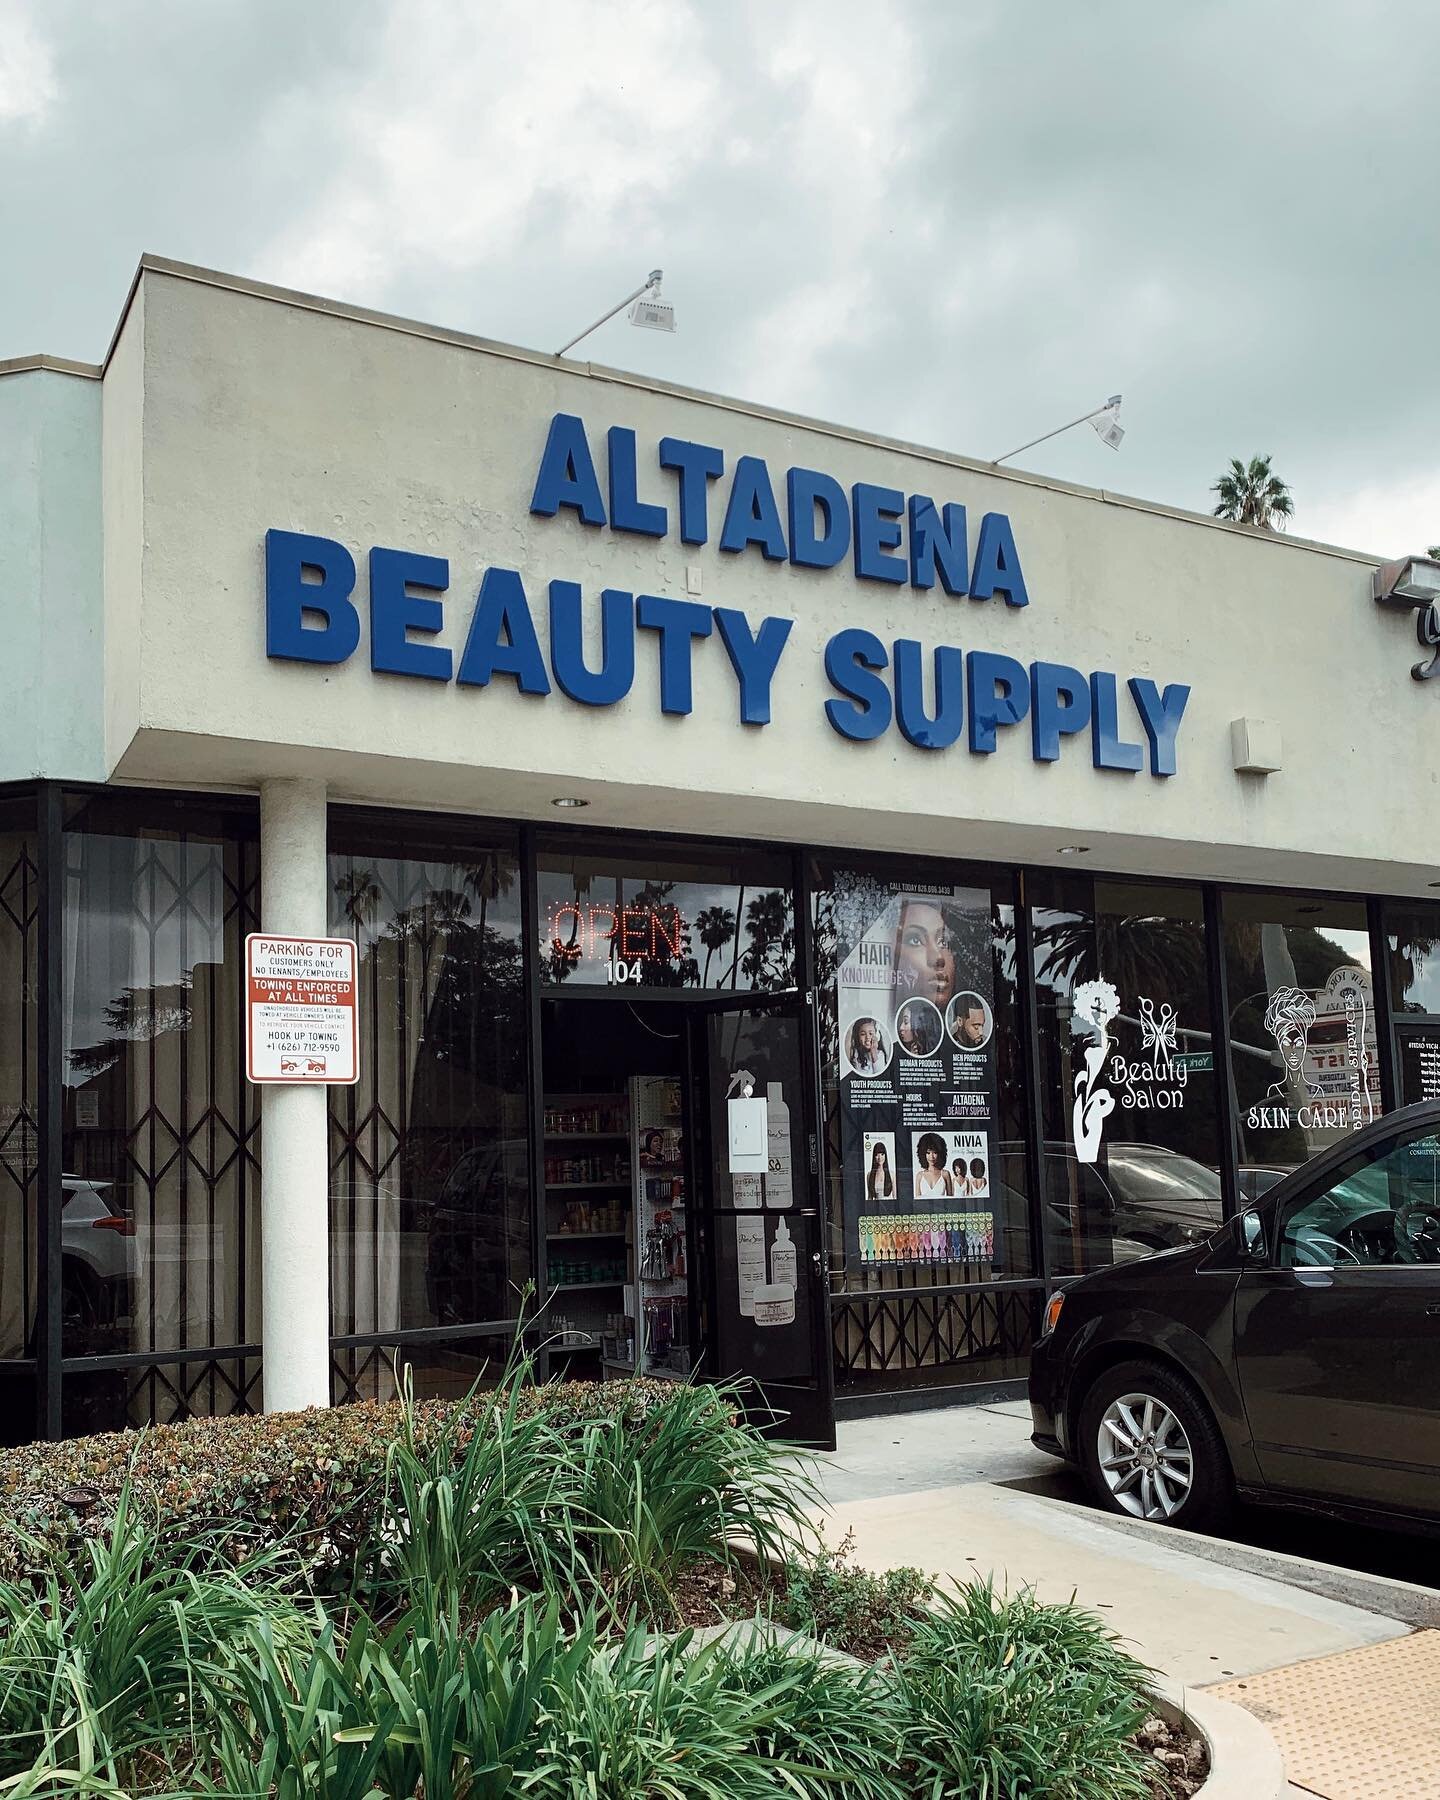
x=1224, y=210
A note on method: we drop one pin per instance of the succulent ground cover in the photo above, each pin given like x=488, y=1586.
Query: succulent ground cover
x=487, y=1600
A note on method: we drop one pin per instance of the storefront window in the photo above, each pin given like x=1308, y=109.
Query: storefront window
x=618, y=914
x=1412, y=943
x=921, y=1086
x=429, y=1194
x=160, y=1221
x=1412, y=955
x=19, y=1144
x=1303, y=1043
x=443, y=1369
x=1131, y=1146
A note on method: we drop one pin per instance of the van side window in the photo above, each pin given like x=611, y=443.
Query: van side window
x=1382, y=1208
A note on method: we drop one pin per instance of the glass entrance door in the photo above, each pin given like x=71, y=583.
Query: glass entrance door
x=759, y=1218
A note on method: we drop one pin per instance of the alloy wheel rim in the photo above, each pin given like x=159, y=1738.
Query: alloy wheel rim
x=1144, y=1456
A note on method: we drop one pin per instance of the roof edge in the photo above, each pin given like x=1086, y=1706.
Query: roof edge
x=58, y=365
x=262, y=290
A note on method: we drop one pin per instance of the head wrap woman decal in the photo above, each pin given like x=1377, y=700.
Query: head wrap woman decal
x=1288, y=1019
x=1096, y=1003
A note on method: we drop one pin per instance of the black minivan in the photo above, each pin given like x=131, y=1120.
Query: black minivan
x=1292, y=1358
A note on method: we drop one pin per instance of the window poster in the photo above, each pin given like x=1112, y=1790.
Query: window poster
x=916, y=1021
x=1419, y=1065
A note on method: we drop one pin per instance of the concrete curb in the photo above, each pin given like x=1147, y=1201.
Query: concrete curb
x=1384, y=1595
x=1245, y=1761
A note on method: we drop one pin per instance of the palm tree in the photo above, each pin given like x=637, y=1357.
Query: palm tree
x=716, y=926
x=1252, y=494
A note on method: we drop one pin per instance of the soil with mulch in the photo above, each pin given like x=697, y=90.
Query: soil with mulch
x=1182, y=1759
x=709, y=1594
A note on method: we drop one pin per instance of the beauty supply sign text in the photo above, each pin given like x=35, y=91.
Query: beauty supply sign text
x=934, y=695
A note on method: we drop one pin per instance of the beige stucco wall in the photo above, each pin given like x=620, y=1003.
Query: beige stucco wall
x=258, y=411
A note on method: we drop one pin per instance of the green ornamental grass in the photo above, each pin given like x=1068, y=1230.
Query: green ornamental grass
x=471, y=1605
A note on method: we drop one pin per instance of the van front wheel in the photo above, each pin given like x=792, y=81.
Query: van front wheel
x=1151, y=1448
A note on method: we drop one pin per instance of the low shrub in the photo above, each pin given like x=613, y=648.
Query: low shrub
x=681, y=1485
x=315, y=1476
x=1007, y=1697
x=526, y=1707
x=476, y=1506
x=99, y=1659
x=865, y=1613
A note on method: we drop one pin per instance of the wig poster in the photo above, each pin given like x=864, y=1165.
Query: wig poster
x=917, y=1074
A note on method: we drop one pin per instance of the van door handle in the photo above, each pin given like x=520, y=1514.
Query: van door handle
x=1432, y=1312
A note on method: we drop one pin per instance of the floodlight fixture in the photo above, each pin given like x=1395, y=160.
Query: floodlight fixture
x=1412, y=581
x=647, y=309
x=1105, y=421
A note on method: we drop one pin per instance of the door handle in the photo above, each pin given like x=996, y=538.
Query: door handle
x=1432, y=1312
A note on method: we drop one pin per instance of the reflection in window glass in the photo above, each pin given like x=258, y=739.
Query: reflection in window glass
x=19, y=1160
x=1303, y=1044
x=1382, y=1208
x=429, y=1189
x=621, y=915
x=1412, y=939
x=160, y=1220
x=1128, y=1070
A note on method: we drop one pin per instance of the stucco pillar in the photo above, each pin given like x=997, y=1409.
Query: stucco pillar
x=294, y=1160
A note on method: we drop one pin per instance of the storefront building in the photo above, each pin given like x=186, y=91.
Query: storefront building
x=1057, y=869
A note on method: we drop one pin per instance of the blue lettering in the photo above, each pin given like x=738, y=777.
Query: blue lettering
x=852, y=658
x=395, y=612
x=937, y=544
x=616, y=674
x=999, y=695
x=941, y=731
x=567, y=473
x=754, y=659
x=1059, y=707
x=678, y=623
x=997, y=563
x=752, y=516
x=1160, y=714
x=1108, y=749
x=288, y=597
x=807, y=489
x=502, y=638
x=627, y=511
x=697, y=466
x=877, y=531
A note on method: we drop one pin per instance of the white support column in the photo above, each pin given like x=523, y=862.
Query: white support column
x=294, y=1150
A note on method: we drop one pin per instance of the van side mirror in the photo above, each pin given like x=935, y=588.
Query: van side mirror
x=1250, y=1235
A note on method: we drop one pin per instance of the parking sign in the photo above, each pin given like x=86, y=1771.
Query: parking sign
x=301, y=1016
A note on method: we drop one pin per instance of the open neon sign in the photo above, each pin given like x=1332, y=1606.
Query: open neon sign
x=624, y=937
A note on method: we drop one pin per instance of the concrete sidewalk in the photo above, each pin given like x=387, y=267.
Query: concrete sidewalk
x=962, y=1492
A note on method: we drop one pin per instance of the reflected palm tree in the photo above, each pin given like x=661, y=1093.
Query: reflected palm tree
x=358, y=892
x=1139, y=954
x=715, y=926
x=769, y=957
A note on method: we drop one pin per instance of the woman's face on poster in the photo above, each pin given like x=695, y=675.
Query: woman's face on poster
x=924, y=954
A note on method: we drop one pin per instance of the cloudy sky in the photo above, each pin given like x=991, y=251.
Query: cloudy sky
x=955, y=221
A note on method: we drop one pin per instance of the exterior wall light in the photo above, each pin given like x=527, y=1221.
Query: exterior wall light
x=567, y=801
x=1411, y=582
